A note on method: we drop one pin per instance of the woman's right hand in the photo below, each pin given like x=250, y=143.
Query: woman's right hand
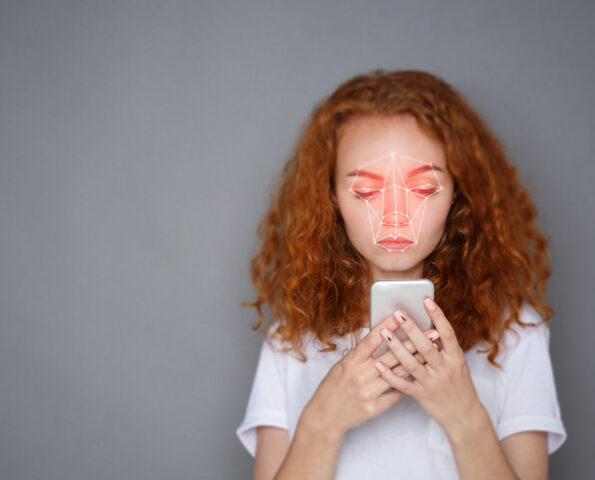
x=393, y=362
x=353, y=390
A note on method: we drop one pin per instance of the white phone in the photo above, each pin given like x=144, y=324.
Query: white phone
x=388, y=296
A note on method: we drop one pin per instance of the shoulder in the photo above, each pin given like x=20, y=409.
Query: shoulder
x=284, y=352
x=532, y=323
x=311, y=346
x=519, y=338
x=273, y=340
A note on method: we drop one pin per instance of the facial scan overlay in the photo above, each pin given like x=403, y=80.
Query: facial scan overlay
x=396, y=189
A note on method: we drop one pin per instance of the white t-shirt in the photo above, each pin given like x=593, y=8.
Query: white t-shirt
x=404, y=442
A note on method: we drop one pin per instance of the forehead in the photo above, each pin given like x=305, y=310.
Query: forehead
x=368, y=139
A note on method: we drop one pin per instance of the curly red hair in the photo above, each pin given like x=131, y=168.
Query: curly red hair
x=490, y=259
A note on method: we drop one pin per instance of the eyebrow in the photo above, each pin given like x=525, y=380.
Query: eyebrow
x=412, y=173
x=425, y=168
x=365, y=173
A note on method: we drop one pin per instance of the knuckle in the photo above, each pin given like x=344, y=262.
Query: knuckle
x=347, y=362
x=462, y=362
x=408, y=344
x=370, y=409
x=426, y=350
x=415, y=369
x=458, y=361
x=420, y=358
x=357, y=381
x=448, y=336
x=412, y=368
x=389, y=358
x=343, y=372
x=369, y=341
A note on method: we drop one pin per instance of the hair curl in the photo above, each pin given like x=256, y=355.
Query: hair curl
x=491, y=257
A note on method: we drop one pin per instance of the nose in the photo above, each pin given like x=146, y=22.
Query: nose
x=394, y=208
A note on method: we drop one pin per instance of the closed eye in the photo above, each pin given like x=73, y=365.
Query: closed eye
x=364, y=193
x=425, y=190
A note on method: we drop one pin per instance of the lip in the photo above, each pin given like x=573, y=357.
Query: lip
x=391, y=244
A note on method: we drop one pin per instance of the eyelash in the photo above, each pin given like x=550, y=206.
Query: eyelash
x=420, y=192
x=369, y=195
x=425, y=192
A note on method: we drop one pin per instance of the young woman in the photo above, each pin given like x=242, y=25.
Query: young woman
x=396, y=177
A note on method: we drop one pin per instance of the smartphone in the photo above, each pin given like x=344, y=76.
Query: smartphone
x=388, y=296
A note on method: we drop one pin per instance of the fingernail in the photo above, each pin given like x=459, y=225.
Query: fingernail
x=430, y=304
x=380, y=367
x=400, y=317
x=432, y=336
x=386, y=334
x=436, y=345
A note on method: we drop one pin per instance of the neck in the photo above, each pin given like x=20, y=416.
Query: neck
x=411, y=274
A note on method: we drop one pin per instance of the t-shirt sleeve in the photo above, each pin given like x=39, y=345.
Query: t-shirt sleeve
x=530, y=401
x=266, y=405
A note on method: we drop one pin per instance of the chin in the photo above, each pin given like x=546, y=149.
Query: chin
x=396, y=262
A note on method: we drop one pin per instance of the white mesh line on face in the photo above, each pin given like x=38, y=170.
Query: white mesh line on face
x=422, y=209
x=375, y=222
x=396, y=189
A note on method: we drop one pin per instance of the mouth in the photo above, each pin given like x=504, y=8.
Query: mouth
x=400, y=243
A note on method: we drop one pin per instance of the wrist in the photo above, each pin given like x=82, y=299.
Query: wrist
x=470, y=427
x=315, y=424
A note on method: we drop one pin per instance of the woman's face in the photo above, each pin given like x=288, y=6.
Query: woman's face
x=394, y=193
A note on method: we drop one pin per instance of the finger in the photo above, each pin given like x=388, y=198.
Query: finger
x=406, y=359
x=377, y=383
x=371, y=373
x=399, y=383
x=389, y=357
x=419, y=358
x=431, y=334
x=400, y=371
x=447, y=334
x=373, y=339
x=377, y=386
x=422, y=343
x=387, y=400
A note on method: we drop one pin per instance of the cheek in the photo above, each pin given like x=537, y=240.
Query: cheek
x=435, y=218
x=354, y=219
x=354, y=215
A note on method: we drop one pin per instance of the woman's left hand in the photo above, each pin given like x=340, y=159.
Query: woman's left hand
x=443, y=385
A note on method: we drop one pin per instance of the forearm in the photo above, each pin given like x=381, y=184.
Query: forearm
x=476, y=449
x=312, y=453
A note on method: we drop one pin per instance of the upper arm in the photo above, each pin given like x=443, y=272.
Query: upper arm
x=527, y=454
x=271, y=449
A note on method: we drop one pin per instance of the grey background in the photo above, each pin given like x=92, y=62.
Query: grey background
x=138, y=143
